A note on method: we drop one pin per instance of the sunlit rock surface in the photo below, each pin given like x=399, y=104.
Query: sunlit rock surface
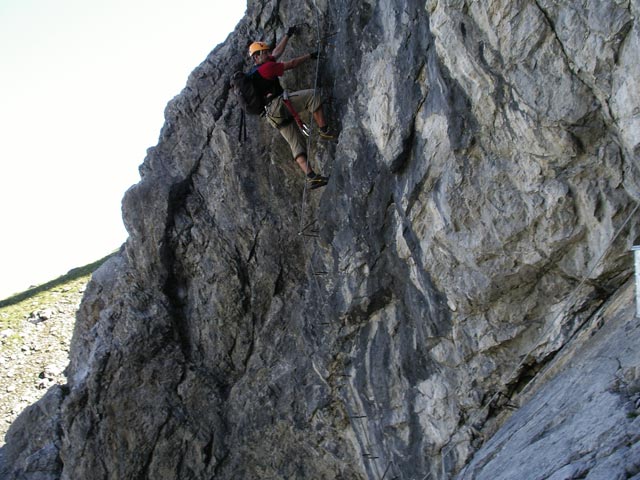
x=455, y=303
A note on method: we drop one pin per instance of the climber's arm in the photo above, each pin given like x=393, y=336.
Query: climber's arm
x=296, y=61
x=279, y=50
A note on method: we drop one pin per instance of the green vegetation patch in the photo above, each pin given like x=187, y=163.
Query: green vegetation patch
x=19, y=307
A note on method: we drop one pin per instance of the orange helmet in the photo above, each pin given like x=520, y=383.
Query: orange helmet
x=258, y=47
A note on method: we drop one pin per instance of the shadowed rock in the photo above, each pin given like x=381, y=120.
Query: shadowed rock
x=474, y=232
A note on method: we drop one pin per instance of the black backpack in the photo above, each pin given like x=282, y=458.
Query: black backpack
x=245, y=87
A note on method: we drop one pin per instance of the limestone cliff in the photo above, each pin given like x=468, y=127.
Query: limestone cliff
x=454, y=304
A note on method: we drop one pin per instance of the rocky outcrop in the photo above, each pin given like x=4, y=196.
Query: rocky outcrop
x=582, y=420
x=436, y=310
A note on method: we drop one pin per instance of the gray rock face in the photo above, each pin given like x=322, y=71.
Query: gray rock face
x=584, y=422
x=446, y=306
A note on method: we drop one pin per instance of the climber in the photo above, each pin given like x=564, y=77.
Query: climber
x=281, y=106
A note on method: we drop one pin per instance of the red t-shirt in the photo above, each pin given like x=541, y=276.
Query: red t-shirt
x=270, y=70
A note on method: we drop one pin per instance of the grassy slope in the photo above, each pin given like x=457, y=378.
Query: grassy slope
x=35, y=331
x=45, y=288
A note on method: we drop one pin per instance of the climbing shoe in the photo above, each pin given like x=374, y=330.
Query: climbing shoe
x=317, y=181
x=327, y=134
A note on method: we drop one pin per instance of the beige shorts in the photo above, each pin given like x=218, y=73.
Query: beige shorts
x=279, y=117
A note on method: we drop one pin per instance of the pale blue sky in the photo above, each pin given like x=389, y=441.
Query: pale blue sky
x=83, y=87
